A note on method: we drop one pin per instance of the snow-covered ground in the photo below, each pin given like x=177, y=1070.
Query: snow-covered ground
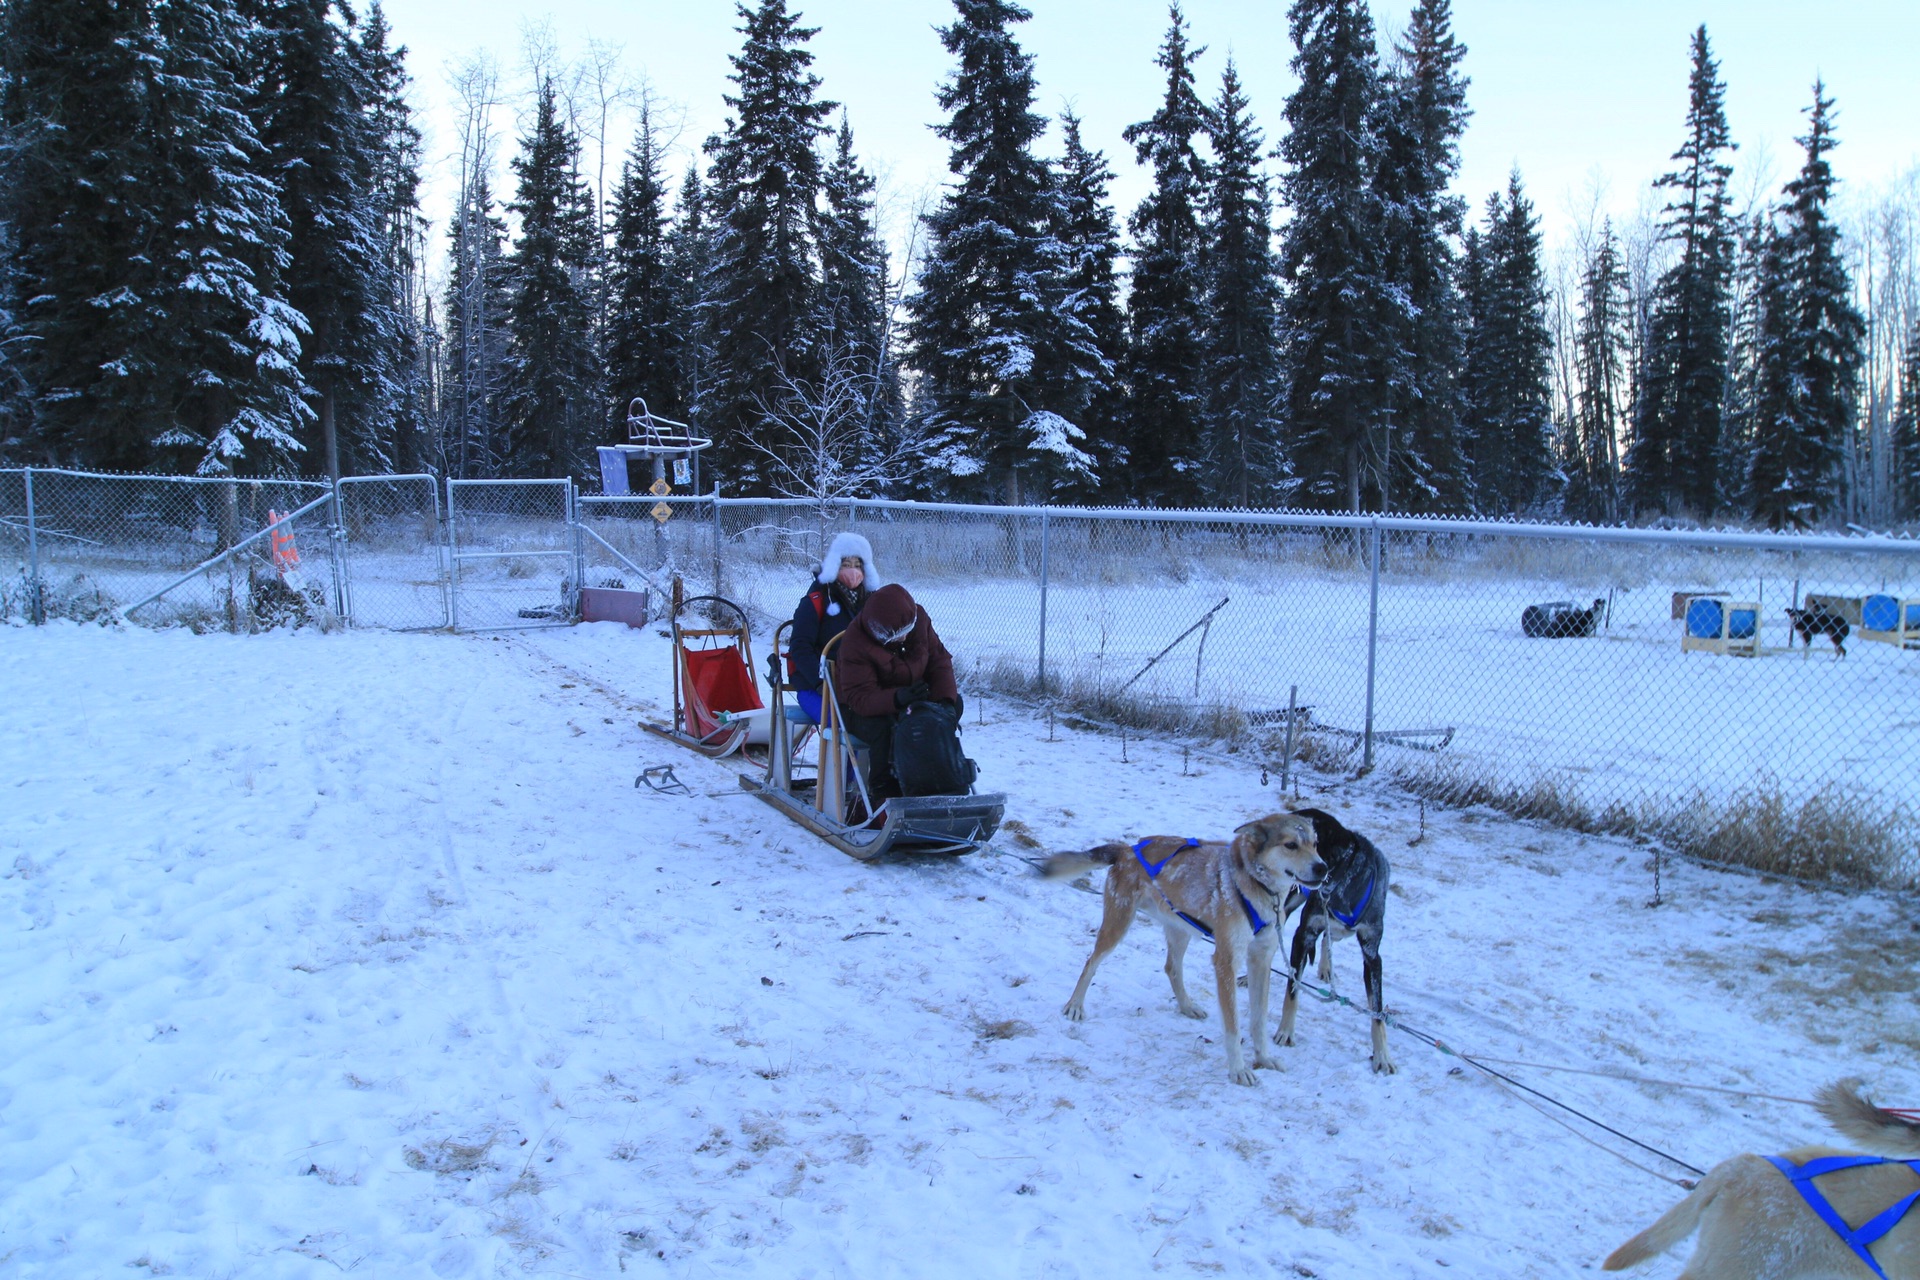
x=362, y=953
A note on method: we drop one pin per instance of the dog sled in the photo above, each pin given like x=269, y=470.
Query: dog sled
x=716, y=709
x=827, y=791
x=812, y=773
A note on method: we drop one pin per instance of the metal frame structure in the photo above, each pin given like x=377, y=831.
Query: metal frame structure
x=455, y=556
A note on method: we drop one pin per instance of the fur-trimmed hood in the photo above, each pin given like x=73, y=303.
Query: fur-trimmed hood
x=849, y=544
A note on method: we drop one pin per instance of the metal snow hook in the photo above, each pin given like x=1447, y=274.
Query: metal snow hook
x=659, y=777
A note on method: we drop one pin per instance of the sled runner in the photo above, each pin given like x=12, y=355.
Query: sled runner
x=716, y=709
x=836, y=803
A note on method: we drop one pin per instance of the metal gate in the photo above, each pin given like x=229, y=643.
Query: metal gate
x=513, y=553
x=394, y=553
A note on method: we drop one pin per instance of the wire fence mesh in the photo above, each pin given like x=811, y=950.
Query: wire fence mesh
x=512, y=553
x=1606, y=679
x=394, y=552
x=107, y=543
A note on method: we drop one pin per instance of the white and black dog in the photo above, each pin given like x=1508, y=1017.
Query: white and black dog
x=1351, y=900
x=1818, y=620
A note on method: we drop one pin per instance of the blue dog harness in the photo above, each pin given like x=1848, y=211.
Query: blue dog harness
x=1856, y=1238
x=1153, y=874
x=1347, y=918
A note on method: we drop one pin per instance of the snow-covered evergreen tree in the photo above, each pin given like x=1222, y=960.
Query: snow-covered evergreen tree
x=399, y=416
x=1507, y=377
x=1089, y=234
x=853, y=260
x=1244, y=462
x=1006, y=362
x=690, y=243
x=1337, y=313
x=149, y=244
x=764, y=291
x=1422, y=117
x=553, y=403
x=79, y=210
x=1600, y=345
x=646, y=323
x=474, y=368
x=1905, y=435
x=1165, y=437
x=311, y=100
x=1812, y=348
x=1671, y=463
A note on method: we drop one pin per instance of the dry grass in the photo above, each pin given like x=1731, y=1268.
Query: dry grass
x=1827, y=836
x=1100, y=705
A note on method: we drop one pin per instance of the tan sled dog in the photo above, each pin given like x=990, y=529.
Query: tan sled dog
x=1234, y=892
x=1756, y=1225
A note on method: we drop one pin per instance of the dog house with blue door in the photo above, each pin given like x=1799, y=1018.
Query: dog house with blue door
x=1716, y=624
x=1891, y=620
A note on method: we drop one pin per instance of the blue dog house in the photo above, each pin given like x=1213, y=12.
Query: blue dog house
x=1715, y=624
x=1891, y=620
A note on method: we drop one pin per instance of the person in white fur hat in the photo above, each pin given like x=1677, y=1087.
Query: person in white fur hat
x=846, y=577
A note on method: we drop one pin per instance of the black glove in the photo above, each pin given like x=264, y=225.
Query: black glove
x=913, y=693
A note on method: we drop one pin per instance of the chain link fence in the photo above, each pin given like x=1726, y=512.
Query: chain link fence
x=228, y=555
x=1648, y=682
x=394, y=553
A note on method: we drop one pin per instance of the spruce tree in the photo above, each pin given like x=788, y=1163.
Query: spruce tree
x=553, y=404
x=80, y=209
x=853, y=260
x=1089, y=235
x=1006, y=362
x=1337, y=313
x=1508, y=373
x=690, y=245
x=474, y=367
x=763, y=291
x=149, y=245
x=1813, y=347
x=1905, y=434
x=1677, y=428
x=1240, y=347
x=1593, y=469
x=311, y=100
x=645, y=320
x=398, y=415
x=1423, y=116
x=1164, y=354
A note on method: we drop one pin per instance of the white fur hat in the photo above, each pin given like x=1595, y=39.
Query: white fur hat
x=842, y=546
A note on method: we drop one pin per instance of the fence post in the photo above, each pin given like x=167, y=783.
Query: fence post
x=579, y=549
x=1043, y=604
x=337, y=555
x=36, y=610
x=1373, y=638
x=716, y=538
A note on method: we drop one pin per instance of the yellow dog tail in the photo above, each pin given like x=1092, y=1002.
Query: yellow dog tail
x=1673, y=1226
x=1062, y=865
x=1847, y=1109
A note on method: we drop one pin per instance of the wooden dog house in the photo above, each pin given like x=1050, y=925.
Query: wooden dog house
x=1891, y=620
x=1718, y=624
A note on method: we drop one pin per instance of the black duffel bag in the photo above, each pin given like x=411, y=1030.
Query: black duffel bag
x=927, y=759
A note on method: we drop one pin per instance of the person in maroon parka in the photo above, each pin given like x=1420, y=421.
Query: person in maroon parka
x=890, y=658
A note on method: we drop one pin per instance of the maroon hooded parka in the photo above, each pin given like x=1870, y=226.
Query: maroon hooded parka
x=868, y=672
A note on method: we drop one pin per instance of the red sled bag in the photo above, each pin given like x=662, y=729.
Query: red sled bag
x=927, y=759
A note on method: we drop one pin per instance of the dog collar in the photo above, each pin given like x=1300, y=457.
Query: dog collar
x=1855, y=1238
x=1347, y=918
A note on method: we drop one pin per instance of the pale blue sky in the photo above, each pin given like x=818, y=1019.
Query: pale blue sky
x=1573, y=93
